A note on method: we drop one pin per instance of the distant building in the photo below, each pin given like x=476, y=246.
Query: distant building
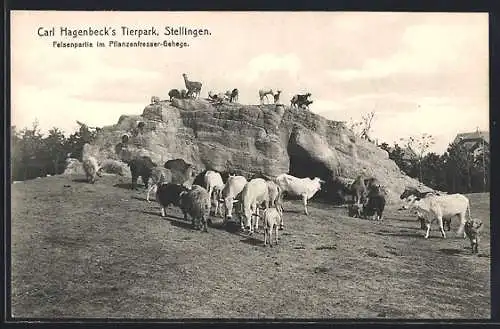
x=474, y=142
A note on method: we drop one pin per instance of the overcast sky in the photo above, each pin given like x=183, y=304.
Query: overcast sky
x=420, y=72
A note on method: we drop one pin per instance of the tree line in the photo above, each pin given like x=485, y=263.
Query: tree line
x=34, y=155
x=455, y=171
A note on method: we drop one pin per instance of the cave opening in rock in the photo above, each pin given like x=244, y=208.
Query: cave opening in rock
x=303, y=165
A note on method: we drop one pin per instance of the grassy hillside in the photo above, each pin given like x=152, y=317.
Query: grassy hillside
x=82, y=250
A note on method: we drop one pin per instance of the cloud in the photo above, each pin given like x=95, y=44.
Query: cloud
x=119, y=84
x=62, y=111
x=443, y=120
x=266, y=63
x=425, y=50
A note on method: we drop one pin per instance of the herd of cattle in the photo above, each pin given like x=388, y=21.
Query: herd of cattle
x=196, y=193
x=193, y=90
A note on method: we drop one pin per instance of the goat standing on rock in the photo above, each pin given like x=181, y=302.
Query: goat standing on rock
x=277, y=97
x=299, y=100
x=217, y=98
x=174, y=93
x=234, y=95
x=265, y=93
x=193, y=87
x=306, y=104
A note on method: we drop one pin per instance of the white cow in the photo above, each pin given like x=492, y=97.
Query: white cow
x=304, y=187
x=231, y=193
x=253, y=195
x=214, y=186
x=421, y=217
x=436, y=207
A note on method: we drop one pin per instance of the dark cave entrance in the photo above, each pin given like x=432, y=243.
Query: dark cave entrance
x=303, y=165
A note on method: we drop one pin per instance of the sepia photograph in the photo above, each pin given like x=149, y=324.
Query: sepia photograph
x=180, y=165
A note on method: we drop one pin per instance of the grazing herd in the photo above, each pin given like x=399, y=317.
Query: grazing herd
x=178, y=183
x=193, y=90
x=173, y=185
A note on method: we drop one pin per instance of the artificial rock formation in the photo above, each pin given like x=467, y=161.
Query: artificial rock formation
x=248, y=139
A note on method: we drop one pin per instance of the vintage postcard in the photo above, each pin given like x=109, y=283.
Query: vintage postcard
x=249, y=165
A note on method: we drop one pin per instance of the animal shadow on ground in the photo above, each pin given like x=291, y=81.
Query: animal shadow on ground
x=450, y=251
x=231, y=227
x=253, y=240
x=152, y=213
x=180, y=222
x=406, y=234
x=321, y=269
x=80, y=180
x=167, y=217
x=326, y=247
x=398, y=219
x=413, y=228
x=127, y=186
x=300, y=211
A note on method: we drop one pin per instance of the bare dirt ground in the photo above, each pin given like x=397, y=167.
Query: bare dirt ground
x=101, y=251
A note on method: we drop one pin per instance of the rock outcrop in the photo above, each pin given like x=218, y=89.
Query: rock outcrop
x=248, y=139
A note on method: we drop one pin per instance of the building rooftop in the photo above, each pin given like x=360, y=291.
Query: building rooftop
x=472, y=136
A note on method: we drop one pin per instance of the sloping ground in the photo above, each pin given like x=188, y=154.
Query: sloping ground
x=82, y=250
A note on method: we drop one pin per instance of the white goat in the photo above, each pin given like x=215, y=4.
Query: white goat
x=271, y=218
x=91, y=168
x=265, y=93
x=193, y=87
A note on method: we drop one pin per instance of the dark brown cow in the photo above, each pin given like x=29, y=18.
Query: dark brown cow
x=375, y=202
x=372, y=181
x=168, y=194
x=358, y=190
x=182, y=171
x=143, y=167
